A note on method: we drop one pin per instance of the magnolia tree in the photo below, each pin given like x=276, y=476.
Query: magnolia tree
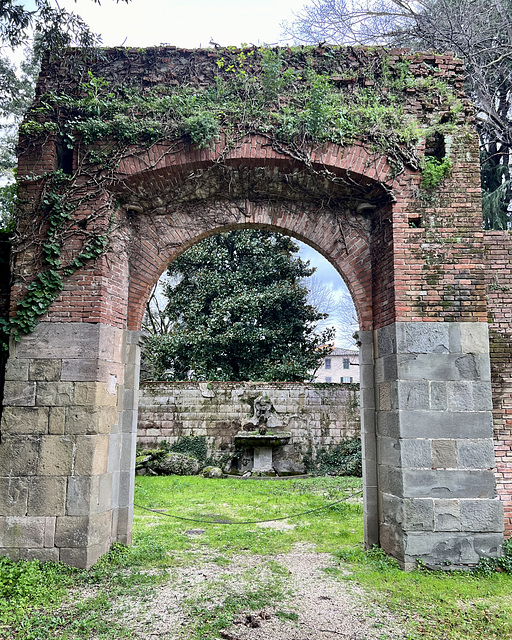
x=235, y=308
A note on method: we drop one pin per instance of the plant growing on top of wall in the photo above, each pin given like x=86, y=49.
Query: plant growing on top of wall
x=318, y=98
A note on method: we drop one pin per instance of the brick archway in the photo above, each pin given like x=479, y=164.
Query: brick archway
x=412, y=263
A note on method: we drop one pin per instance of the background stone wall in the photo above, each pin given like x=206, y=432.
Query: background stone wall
x=315, y=415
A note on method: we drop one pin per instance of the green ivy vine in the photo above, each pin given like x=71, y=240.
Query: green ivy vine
x=49, y=282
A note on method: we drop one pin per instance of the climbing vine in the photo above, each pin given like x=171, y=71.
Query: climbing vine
x=297, y=98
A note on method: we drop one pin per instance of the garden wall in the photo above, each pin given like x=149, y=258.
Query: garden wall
x=315, y=415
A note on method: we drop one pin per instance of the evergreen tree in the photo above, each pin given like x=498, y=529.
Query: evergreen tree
x=237, y=310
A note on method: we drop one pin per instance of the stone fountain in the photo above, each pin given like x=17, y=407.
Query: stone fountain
x=261, y=434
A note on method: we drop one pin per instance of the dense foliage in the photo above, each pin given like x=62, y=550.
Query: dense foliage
x=238, y=311
x=343, y=459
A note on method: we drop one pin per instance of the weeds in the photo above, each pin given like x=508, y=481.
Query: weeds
x=40, y=601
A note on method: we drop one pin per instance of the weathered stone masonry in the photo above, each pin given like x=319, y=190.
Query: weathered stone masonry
x=414, y=266
x=315, y=416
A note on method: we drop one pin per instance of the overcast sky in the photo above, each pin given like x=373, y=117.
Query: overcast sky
x=186, y=23
x=191, y=24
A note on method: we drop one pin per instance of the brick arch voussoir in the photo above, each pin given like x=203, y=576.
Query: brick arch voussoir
x=362, y=165
x=158, y=241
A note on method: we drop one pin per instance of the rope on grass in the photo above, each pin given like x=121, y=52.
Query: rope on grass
x=295, y=515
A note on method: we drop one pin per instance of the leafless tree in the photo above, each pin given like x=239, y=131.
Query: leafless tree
x=478, y=32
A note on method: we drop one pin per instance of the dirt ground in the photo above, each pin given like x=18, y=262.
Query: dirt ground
x=317, y=605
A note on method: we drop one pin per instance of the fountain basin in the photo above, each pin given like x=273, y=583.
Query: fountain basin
x=262, y=445
x=255, y=439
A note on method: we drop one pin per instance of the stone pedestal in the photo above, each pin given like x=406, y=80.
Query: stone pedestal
x=262, y=460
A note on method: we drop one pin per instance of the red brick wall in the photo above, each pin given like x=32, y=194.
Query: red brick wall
x=498, y=255
x=393, y=271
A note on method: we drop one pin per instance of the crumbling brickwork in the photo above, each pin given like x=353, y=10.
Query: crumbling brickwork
x=498, y=253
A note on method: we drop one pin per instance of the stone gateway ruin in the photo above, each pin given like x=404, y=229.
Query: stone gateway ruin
x=128, y=157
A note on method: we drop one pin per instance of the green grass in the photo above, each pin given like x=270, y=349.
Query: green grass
x=240, y=501
x=39, y=601
x=435, y=605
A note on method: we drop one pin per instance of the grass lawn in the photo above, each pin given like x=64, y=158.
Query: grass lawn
x=40, y=601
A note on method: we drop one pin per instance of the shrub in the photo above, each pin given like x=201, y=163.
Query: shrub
x=344, y=459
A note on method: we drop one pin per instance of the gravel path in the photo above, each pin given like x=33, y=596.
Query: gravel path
x=319, y=606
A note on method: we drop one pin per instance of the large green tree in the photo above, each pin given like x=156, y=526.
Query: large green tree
x=478, y=31
x=237, y=310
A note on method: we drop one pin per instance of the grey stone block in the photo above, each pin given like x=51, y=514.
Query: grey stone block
x=385, y=395
x=43, y=555
x=457, y=549
x=54, y=394
x=19, y=393
x=22, y=532
x=13, y=496
x=418, y=515
x=460, y=396
x=19, y=456
x=92, y=453
x=482, y=515
x=438, y=396
x=47, y=496
x=391, y=539
x=482, y=396
x=367, y=421
x=90, y=370
x=84, y=558
x=391, y=480
x=389, y=451
x=413, y=395
x=371, y=518
x=83, y=531
x=423, y=337
x=57, y=456
x=16, y=369
x=370, y=472
x=445, y=424
x=44, y=370
x=133, y=337
x=88, y=495
x=444, y=455
x=416, y=453
x=57, y=421
x=474, y=337
x=443, y=366
x=366, y=348
x=448, y=484
x=407, y=514
x=386, y=341
x=388, y=424
x=54, y=340
x=447, y=515
x=455, y=337
x=25, y=420
x=367, y=398
x=366, y=379
x=124, y=524
x=369, y=445
x=126, y=488
x=475, y=454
